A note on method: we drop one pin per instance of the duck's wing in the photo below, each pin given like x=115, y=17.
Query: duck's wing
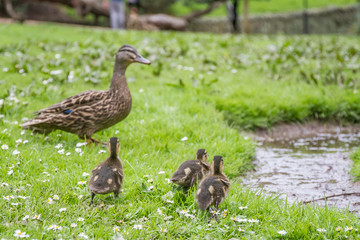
x=82, y=99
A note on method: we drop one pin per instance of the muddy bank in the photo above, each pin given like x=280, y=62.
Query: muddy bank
x=287, y=131
x=307, y=162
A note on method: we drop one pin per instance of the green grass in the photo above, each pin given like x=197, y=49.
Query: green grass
x=179, y=95
x=355, y=171
x=260, y=6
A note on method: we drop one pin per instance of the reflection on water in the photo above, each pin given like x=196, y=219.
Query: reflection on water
x=307, y=168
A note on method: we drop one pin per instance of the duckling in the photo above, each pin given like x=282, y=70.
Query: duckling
x=108, y=176
x=192, y=170
x=213, y=189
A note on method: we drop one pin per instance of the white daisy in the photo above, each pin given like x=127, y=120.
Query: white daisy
x=80, y=219
x=10, y=172
x=19, y=141
x=62, y=209
x=61, y=151
x=19, y=234
x=37, y=217
x=4, y=184
x=82, y=182
x=56, y=197
x=25, y=218
x=80, y=144
x=102, y=151
x=116, y=229
x=78, y=150
x=85, y=174
x=59, y=146
x=184, y=139
x=73, y=225
x=49, y=201
x=282, y=232
x=321, y=230
x=161, y=172
x=25, y=141
x=83, y=235
x=138, y=226
x=15, y=152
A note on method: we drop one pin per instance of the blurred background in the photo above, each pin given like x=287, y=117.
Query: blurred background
x=219, y=16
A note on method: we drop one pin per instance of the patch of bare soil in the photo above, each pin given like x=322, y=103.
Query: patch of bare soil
x=287, y=131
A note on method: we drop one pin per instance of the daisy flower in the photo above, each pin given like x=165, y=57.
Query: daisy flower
x=85, y=174
x=253, y=220
x=338, y=229
x=161, y=172
x=78, y=150
x=49, y=201
x=61, y=151
x=59, y=146
x=19, y=234
x=242, y=208
x=80, y=144
x=101, y=151
x=25, y=141
x=56, y=227
x=56, y=197
x=82, y=182
x=169, y=201
x=18, y=141
x=282, y=232
x=116, y=229
x=62, y=209
x=321, y=230
x=160, y=212
x=80, y=219
x=73, y=225
x=163, y=230
x=10, y=172
x=150, y=180
x=151, y=188
x=15, y=152
x=4, y=184
x=5, y=147
x=25, y=218
x=183, y=211
x=138, y=226
x=83, y=235
x=184, y=139
x=348, y=228
x=37, y=217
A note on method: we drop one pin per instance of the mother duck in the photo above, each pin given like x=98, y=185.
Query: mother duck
x=91, y=111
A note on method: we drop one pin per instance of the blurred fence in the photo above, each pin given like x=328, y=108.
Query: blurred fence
x=343, y=20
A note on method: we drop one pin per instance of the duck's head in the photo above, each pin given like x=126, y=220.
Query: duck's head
x=128, y=54
x=217, y=165
x=114, y=147
x=202, y=155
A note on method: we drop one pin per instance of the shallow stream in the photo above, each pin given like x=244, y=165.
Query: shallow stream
x=308, y=168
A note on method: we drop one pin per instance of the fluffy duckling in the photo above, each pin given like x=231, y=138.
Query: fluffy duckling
x=108, y=176
x=192, y=170
x=213, y=189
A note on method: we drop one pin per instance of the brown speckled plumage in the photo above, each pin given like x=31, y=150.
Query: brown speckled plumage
x=108, y=176
x=91, y=111
x=191, y=171
x=213, y=189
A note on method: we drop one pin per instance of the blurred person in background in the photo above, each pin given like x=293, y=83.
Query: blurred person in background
x=117, y=14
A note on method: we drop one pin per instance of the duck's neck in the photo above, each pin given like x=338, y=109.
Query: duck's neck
x=118, y=79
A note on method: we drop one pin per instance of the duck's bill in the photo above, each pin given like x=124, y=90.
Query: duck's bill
x=142, y=60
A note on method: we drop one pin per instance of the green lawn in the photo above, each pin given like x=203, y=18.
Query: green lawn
x=260, y=6
x=195, y=86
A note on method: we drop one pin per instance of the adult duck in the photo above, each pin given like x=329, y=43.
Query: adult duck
x=91, y=111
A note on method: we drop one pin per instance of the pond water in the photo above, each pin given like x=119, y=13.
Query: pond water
x=308, y=168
